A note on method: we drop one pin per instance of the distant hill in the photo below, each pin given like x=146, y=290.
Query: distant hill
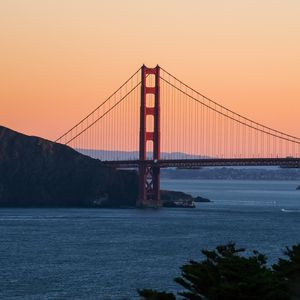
x=235, y=173
x=38, y=172
x=131, y=155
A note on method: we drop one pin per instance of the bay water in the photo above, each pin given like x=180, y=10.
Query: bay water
x=110, y=253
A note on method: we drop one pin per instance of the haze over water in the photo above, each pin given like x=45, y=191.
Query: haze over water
x=109, y=253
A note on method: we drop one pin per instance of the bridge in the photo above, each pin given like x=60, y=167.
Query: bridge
x=154, y=120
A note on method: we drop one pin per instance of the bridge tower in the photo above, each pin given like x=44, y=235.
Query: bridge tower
x=149, y=171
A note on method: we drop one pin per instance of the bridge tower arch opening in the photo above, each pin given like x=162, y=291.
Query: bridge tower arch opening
x=149, y=171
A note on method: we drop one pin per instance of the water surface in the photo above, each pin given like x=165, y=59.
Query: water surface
x=109, y=253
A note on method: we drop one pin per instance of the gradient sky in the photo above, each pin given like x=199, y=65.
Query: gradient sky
x=61, y=58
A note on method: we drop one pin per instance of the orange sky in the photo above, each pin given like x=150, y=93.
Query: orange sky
x=61, y=58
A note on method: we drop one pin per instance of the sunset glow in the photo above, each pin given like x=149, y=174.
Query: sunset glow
x=61, y=58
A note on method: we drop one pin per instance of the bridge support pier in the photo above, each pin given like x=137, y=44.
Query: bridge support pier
x=149, y=186
x=149, y=172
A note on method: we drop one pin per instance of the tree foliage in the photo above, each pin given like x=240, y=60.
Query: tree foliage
x=154, y=295
x=226, y=273
x=289, y=270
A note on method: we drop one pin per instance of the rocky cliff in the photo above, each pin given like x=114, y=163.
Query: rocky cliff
x=38, y=172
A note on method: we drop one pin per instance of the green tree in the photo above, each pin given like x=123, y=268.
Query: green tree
x=288, y=270
x=154, y=295
x=226, y=274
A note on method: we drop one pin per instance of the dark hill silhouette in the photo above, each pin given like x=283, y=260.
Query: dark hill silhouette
x=36, y=172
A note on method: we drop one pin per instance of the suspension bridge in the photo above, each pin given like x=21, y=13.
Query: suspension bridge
x=154, y=120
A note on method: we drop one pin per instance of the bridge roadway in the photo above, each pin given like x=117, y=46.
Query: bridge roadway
x=288, y=162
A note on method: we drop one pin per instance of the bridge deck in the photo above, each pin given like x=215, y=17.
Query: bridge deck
x=215, y=162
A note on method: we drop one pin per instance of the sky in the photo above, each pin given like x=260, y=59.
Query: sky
x=61, y=58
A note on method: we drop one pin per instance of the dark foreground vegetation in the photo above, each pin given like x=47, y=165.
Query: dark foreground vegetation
x=226, y=274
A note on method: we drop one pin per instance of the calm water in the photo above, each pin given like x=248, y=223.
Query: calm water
x=107, y=254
